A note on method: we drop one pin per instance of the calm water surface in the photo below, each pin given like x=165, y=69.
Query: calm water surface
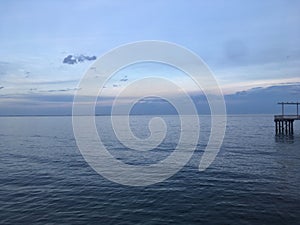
x=255, y=179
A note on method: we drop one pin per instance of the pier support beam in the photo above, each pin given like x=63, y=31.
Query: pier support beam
x=284, y=126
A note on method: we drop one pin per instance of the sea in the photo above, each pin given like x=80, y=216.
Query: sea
x=44, y=179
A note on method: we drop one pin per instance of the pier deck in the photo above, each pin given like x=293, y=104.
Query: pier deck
x=284, y=124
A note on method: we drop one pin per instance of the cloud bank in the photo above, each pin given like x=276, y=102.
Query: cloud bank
x=259, y=100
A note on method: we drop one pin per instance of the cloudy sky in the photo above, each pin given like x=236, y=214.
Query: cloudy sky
x=252, y=47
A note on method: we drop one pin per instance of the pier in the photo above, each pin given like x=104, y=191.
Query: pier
x=284, y=124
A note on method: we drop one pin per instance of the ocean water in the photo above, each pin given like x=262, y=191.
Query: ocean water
x=44, y=179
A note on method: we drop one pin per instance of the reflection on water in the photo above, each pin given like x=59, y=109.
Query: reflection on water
x=284, y=138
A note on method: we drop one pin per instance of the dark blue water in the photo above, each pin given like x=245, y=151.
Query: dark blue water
x=255, y=179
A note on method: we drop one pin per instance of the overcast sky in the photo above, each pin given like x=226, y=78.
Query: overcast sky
x=46, y=46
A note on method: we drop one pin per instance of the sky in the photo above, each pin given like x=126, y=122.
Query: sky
x=252, y=48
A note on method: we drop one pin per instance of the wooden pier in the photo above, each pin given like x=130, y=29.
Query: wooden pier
x=284, y=124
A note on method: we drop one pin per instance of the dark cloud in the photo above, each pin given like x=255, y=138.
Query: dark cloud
x=74, y=59
x=33, y=89
x=42, y=98
x=148, y=100
x=1, y=87
x=55, y=82
x=93, y=68
x=27, y=73
x=262, y=100
x=69, y=60
x=259, y=100
x=62, y=90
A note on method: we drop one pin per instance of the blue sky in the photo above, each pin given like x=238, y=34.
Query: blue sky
x=247, y=44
